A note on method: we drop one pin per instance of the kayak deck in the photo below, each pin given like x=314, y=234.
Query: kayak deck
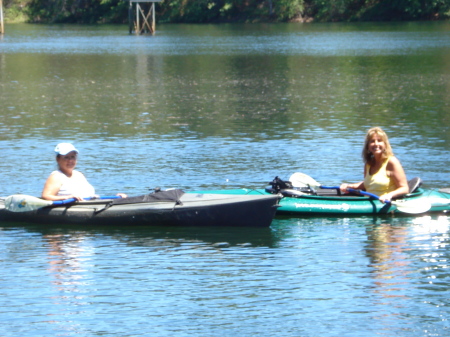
x=194, y=210
x=329, y=203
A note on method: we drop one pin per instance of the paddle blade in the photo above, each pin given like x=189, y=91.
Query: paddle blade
x=412, y=206
x=299, y=179
x=24, y=203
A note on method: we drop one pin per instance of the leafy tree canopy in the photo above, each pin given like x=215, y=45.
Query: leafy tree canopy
x=213, y=11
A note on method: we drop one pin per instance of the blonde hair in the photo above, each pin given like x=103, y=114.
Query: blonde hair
x=366, y=154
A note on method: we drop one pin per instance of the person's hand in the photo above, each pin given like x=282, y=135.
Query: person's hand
x=76, y=197
x=344, y=187
x=385, y=198
x=122, y=195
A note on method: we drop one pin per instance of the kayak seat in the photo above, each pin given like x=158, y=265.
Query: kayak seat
x=414, y=184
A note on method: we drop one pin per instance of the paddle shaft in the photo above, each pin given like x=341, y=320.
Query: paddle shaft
x=68, y=201
x=365, y=193
x=26, y=203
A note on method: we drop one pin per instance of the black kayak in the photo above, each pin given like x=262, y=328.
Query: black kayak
x=165, y=208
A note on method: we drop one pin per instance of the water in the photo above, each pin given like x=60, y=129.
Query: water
x=299, y=278
x=224, y=106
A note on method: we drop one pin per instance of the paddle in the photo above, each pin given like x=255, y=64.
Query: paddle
x=406, y=206
x=26, y=203
x=299, y=179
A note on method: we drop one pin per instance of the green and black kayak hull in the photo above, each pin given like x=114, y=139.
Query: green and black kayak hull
x=326, y=203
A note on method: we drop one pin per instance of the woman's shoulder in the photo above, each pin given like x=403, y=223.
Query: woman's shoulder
x=57, y=173
x=56, y=176
x=393, y=162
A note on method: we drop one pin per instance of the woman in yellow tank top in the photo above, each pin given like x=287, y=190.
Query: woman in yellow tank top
x=383, y=173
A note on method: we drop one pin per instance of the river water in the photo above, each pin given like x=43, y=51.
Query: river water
x=224, y=106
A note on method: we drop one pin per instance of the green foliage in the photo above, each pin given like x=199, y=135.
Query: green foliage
x=408, y=10
x=286, y=10
x=204, y=11
x=77, y=11
x=13, y=10
x=14, y=14
x=379, y=10
x=200, y=11
x=229, y=10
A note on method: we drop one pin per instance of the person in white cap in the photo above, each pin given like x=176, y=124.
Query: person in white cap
x=66, y=182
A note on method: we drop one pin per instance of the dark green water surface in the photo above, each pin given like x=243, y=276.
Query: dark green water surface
x=224, y=106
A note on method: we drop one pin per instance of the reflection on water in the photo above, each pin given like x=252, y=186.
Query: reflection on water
x=224, y=106
x=386, y=245
x=406, y=260
x=86, y=270
x=153, y=108
x=66, y=257
x=319, y=40
x=388, y=276
x=432, y=236
x=69, y=260
x=159, y=237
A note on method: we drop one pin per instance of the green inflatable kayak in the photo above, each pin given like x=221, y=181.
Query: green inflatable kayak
x=329, y=201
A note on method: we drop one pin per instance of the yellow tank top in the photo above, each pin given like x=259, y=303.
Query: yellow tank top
x=379, y=183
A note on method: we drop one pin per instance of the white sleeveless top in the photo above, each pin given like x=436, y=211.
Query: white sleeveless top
x=79, y=186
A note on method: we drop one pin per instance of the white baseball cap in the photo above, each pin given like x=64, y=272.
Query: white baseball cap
x=65, y=148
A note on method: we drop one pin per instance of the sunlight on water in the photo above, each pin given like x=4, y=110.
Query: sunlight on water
x=224, y=106
x=388, y=276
